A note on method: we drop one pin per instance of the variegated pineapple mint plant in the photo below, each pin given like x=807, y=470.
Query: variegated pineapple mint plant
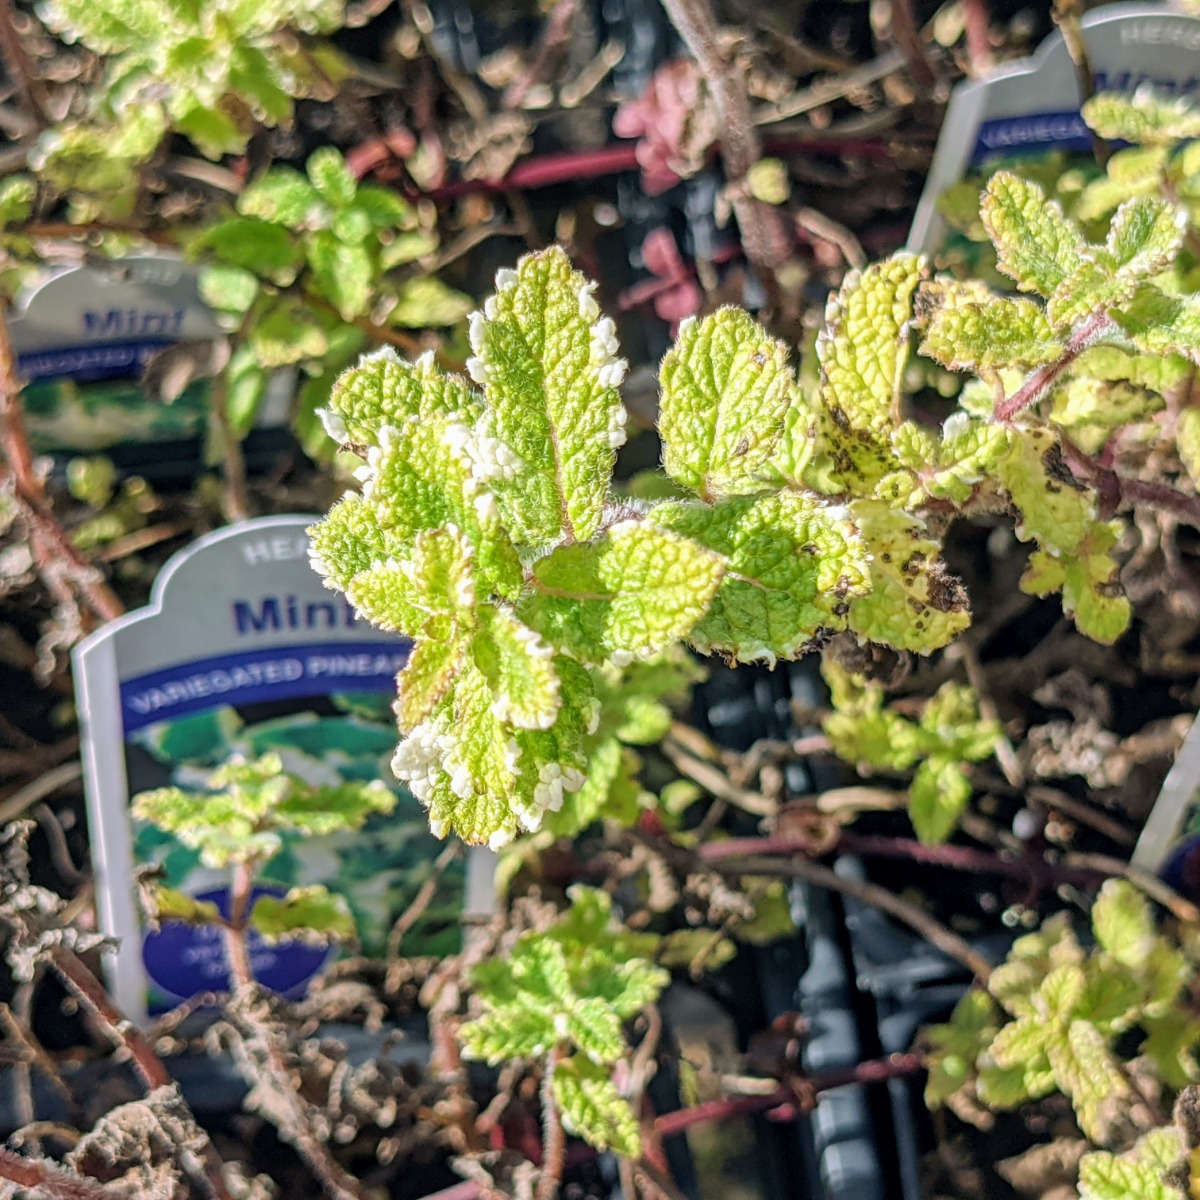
x=488, y=530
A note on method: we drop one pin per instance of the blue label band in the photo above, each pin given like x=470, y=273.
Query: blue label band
x=102, y=360
x=1026, y=135
x=254, y=676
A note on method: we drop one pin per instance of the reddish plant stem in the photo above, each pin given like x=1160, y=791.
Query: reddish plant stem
x=783, y=1101
x=1038, y=385
x=65, y=570
x=40, y=1176
x=907, y=37
x=236, y=948
x=959, y=858
x=1116, y=489
x=88, y=990
x=977, y=25
x=764, y=235
x=90, y=993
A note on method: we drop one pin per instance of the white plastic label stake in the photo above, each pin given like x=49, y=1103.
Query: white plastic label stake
x=1170, y=811
x=1032, y=106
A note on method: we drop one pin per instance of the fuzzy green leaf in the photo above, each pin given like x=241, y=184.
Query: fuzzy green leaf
x=1123, y=923
x=518, y=667
x=996, y=333
x=1161, y=324
x=1138, y=1174
x=423, y=477
x=955, y=1046
x=863, y=348
x=384, y=389
x=1187, y=442
x=342, y=273
x=1089, y=578
x=725, y=388
x=309, y=914
x=505, y=1035
x=937, y=797
x=425, y=302
x=632, y=592
x=429, y=672
x=1035, y=244
x=170, y=904
x=331, y=177
x=259, y=247
x=228, y=289
x=1086, y=1070
x=549, y=367
x=248, y=805
x=1145, y=117
x=282, y=196
x=914, y=603
x=793, y=565
x=17, y=195
x=1053, y=508
x=593, y=1109
x=1144, y=237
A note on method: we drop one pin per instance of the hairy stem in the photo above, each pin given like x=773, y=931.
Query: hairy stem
x=237, y=498
x=236, y=948
x=40, y=1176
x=554, y=1136
x=1030, y=869
x=1039, y=384
x=1066, y=14
x=784, y=1100
x=1118, y=490
x=268, y=1037
x=872, y=1071
x=763, y=234
x=90, y=993
x=977, y=25
x=907, y=37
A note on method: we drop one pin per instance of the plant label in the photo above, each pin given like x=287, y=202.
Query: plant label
x=1025, y=116
x=243, y=651
x=84, y=339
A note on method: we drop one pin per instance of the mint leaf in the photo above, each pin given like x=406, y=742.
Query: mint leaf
x=793, y=564
x=914, y=603
x=1138, y=1174
x=384, y=389
x=307, y=914
x=982, y=336
x=1035, y=244
x=725, y=388
x=631, y=593
x=548, y=364
x=592, y=1107
x=1146, y=117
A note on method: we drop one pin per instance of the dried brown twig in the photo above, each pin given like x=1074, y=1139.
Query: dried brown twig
x=764, y=237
